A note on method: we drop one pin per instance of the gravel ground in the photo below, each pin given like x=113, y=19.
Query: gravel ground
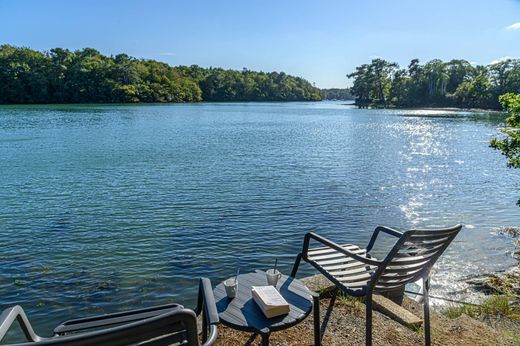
x=346, y=326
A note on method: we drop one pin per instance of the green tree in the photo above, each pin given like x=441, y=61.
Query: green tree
x=509, y=145
x=399, y=90
x=416, y=86
x=437, y=79
x=455, y=83
x=476, y=93
x=499, y=73
x=86, y=75
x=458, y=71
x=362, y=85
x=380, y=72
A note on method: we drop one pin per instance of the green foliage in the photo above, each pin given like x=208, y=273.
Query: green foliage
x=476, y=93
x=63, y=76
x=336, y=94
x=372, y=82
x=499, y=304
x=509, y=145
x=455, y=83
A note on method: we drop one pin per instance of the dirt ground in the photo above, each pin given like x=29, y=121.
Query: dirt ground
x=346, y=326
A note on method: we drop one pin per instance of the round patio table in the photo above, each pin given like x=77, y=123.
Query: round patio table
x=242, y=313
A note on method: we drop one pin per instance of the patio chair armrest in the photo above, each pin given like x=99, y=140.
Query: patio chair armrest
x=16, y=313
x=213, y=333
x=113, y=319
x=383, y=229
x=337, y=247
x=206, y=303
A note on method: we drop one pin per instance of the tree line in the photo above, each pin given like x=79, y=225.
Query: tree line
x=336, y=94
x=456, y=83
x=84, y=76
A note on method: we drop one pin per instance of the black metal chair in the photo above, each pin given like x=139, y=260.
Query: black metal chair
x=356, y=273
x=161, y=325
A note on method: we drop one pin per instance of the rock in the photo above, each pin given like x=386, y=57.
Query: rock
x=512, y=231
x=507, y=282
x=395, y=312
x=323, y=286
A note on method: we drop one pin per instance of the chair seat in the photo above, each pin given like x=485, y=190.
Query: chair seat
x=350, y=273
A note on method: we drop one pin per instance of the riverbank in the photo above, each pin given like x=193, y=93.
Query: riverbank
x=440, y=109
x=495, y=321
x=504, y=283
x=345, y=325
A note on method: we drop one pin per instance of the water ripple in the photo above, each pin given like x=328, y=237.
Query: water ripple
x=104, y=208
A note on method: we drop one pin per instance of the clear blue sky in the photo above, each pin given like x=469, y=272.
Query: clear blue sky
x=318, y=40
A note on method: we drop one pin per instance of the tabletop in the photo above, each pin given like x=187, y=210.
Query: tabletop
x=242, y=313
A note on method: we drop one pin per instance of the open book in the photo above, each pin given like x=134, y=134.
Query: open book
x=270, y=301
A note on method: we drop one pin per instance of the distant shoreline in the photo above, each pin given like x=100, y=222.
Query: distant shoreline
x=447, y=109
x=157, y=103
x=86, y=75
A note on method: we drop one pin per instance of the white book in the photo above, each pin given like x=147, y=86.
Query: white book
x=270, y=301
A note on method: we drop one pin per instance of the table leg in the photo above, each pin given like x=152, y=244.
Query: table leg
x=265, y=339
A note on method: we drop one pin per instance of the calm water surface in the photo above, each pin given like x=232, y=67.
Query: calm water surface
x=104, y=208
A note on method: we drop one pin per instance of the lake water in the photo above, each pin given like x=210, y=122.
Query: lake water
x=104, y=208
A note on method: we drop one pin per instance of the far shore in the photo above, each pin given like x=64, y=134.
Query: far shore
x=447, y=109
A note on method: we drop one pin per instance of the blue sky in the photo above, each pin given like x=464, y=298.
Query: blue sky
x=318, y=40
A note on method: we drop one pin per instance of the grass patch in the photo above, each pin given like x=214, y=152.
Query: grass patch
x=345, y=298
x=494, y=305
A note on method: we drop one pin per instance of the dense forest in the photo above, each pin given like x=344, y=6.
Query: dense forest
x=64, y=76
x=456, y=83
x=336, y=94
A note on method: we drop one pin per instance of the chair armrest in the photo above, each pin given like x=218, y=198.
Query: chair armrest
x=384, y=229
x=112, y=319
x=16, y=313
x=337, y=247
x=206, y=304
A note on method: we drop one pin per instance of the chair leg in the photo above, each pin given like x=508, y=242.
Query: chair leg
x=265, y=339
x=426, y=289
x=204, y=327
x=296, y=265
x=317, y=331
x=368, y=322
